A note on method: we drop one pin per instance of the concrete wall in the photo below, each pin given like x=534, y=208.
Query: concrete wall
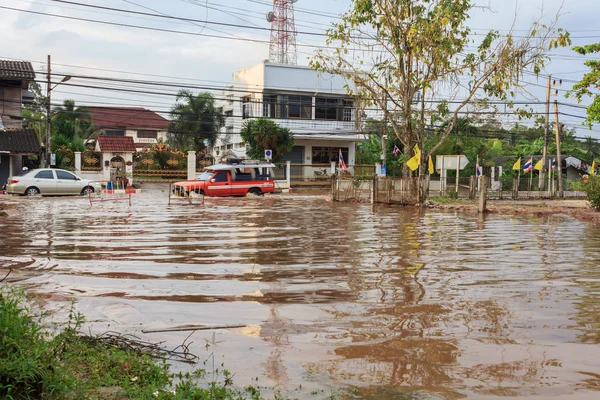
x=302, y=79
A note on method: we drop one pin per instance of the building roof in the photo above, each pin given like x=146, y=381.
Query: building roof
x=16, y=70
x=116, y=143
x=19, y=141
x=127, y=117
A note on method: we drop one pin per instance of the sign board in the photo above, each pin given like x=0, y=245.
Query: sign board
x=52, y=159
x=451, y=162
x=268, y=155
x=383, y=171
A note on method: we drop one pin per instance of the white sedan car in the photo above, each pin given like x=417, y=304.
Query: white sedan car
x=51, y=182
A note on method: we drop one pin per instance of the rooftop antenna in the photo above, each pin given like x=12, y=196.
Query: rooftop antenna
x=282, y=48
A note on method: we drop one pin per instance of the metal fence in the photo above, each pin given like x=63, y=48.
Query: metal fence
x=319, y=173
x=507, y=187
x=389, y=190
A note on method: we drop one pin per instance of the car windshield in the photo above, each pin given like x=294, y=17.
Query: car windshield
x=204, y=176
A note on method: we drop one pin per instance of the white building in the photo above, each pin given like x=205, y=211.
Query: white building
x=314, y=106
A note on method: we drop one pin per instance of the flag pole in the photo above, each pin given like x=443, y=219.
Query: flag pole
x=530, y=177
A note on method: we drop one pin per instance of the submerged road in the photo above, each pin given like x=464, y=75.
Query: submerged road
x=369, y=302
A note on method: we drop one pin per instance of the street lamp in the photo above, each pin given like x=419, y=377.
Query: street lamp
x=48, y=119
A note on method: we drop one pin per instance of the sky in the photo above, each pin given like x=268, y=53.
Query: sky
x=209, y=55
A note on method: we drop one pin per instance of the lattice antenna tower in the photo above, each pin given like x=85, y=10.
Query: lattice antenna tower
x=282, y=48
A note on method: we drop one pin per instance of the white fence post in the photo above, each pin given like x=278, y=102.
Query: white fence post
x=77, y=162
x=333, y=168
x=288, y=173
x=191, y=166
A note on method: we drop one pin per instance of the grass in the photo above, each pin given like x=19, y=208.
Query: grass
x=37, y=365
x=444, y=200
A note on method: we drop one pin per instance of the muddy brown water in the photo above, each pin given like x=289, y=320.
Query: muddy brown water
x=367, y=302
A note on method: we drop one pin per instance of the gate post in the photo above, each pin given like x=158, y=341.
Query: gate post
x=191, y=166
x=77, y=162
x=288, y=173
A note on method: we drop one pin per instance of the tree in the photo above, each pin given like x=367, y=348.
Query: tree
x=71, y=121
x=389, y=50
x=589, y=86
x=195, y=121
x=261, y=134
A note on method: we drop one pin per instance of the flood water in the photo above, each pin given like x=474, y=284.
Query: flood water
x=366, y=302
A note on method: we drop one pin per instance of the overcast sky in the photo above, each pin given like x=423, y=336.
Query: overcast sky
x=206, y=60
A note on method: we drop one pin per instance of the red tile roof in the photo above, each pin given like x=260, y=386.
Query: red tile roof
x=116, y=143
x=127, y=117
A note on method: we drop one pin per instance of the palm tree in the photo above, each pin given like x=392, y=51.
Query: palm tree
x=195, y=121
x=262, y=133
x=71, y=121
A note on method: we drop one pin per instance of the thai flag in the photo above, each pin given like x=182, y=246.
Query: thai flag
x=396, y=150
x=528, y=167
x=342, y=163
x=553, y=164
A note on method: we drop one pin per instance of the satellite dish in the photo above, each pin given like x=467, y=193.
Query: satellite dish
x=270, y=16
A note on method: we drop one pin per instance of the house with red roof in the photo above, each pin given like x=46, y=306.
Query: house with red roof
x=145, y=126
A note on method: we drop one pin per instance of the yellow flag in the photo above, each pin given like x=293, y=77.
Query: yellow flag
x=414, y=162
x=431, y=169
x=538, y=165
x=517, y=165
x=593, y=169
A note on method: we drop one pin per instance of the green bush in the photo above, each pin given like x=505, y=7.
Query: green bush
x=592, y=189
x=34, y=365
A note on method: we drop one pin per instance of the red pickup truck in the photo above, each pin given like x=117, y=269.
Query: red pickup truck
x=230, y=180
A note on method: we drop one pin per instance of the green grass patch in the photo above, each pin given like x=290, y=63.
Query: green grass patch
x=68, y=365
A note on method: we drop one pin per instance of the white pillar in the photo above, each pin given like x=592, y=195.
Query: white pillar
x=191, y=165
x=352, y=153
x=129, y=167
x=332, y=168
x=77, y=162
x=106, y=157
x=288, y=173
x=378, y=169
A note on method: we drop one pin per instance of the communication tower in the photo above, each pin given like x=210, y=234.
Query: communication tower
x=282, y=48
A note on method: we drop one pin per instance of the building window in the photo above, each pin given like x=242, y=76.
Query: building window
x=269, y=104
x=229, y=130
x=147, y=134
x=241, y=145
x=325, y=155
x=246, y=107
x=228, y=113
x=114, y=133
x=299, y=107
x=348, y=110
x=328, y=109
x=229, y=146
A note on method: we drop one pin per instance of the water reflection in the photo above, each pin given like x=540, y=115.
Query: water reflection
x=374, y=302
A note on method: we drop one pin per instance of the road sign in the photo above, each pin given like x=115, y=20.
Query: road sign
x=268, y=155
x=451, y=162
x=383, y=170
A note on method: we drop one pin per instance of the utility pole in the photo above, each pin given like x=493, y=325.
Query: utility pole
x=48, y=91
x=384, y=131
x=558, y=160
x=546, y=131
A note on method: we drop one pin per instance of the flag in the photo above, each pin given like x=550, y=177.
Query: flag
x=342, y=163
x=528, y=167
x=431, y=169
x=478, y=169
x=396, y=150
x=593, y=168
x=414, y=162
x=539, y=165
x=553, y=164
x=517, y=165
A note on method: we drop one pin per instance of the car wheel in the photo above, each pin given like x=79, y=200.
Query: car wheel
x=32, y=191
x=87, y=191
x=255, y=192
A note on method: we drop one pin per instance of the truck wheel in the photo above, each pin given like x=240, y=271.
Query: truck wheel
x=255, y=192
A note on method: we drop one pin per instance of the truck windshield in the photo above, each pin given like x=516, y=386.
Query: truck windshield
x=204, y=176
